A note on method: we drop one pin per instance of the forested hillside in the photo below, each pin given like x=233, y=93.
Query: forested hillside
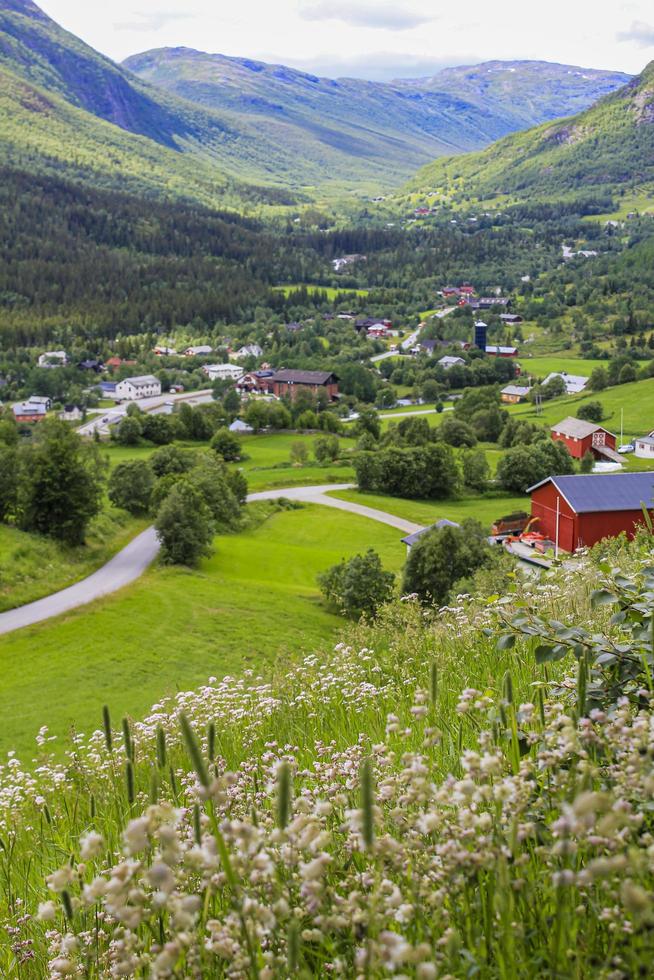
x=607, y=149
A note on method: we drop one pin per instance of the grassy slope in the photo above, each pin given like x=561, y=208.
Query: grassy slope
x=484, y=509
x=252, y=602
x=609, y=145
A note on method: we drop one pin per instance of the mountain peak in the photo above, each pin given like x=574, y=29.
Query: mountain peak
x=24, y=7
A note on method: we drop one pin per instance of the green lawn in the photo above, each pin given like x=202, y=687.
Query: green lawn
x=541, y=366
x=484, y=508
x=32, y=566
x=331, y=292
x=636, y=399
x=254, y=602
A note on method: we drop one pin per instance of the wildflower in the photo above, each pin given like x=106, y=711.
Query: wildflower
x=47, y=911
x=91, y=845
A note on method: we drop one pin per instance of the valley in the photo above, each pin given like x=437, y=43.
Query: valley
x=326, y=507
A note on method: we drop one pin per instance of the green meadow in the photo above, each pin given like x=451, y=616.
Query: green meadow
x=254, y=603
x=484, y=508
x=330, y=291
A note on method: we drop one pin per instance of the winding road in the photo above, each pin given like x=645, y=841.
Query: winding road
x=130, y=563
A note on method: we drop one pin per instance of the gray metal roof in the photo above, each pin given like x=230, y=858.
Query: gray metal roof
x=576, y=428
x=604, y=492
x=304, y=377
x=412, y=538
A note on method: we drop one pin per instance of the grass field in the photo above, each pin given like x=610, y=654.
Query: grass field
x=32, y=566
x=331, y=292
x=255, y=601
x=485, y=509
x=541, y=366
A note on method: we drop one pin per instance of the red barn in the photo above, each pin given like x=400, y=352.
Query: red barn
x=582, y=437
x=578, y=511
x=290, y=382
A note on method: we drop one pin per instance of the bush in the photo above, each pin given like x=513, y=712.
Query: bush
x=475, y=469
x=129, y=431
x=299, y=453
x=159, y=429
x=184, y=526
x=358, y=586
x=131, y=485
x=457, y=433
x=524, y=466
x=424, y=472
x=591, y=412
x=172, y=459
x=326, y=449
x=442, y=557
x=227, y=445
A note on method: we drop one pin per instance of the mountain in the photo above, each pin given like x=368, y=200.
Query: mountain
x=360, y=126
x=606, y=149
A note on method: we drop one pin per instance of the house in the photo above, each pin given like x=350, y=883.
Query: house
x=241, y=427
x=288, y=383
x=412, y=539
x=29, y=411
x=108, y=388
x=256, y=381
x=71, y=413
x=164, y=351
x=574, y=383
x=377, y=332
x=293, y=327
x=201, y=350
x=582, y=437
x=368, y=323
x=510, y=318
x=448, y=362
x=116, y=362
x=578, y=511
x=223, y=372
x=40, y=400
x=429, y=346
x=248, y=350
x=131, y=389
x=53, y=358
x=91, y=364
x=344, y=260
x=489, y=302
x=502, y=351
x=513, y=394
x=644, y=446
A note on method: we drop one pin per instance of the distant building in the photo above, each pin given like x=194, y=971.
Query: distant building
x=223, y=372
x=71, y=413
x=241, y=427
x=502, y=351
x=448, y=362
x=116, y=362
x=510, y=318
x=145, y=386
x=164, y=351
x=574, y=383
x=288, y=383
x=481, y=334
x=344, y=260
x=256, y=382
x=53, y=358
x=413, y=539
x=108, y=388
x=34, y=410
x=201, y=350
x=91, y=364
x=582, y=437
x=248, y=350
x=644, y=446
x=513, y=394
x=369, y=323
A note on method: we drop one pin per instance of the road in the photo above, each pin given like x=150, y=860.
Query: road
x=154, y=405
x=410, y=341
x=130, y=563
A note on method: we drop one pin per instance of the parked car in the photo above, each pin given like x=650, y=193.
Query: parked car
x=627, y=448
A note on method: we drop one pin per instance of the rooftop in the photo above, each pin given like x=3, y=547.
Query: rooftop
x=411, y=539
x=604, y=492
x=304, y=377
x=577, y=428
x=143, y=379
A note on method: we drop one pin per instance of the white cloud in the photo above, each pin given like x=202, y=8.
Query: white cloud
x=384, y=16
x=639, y=33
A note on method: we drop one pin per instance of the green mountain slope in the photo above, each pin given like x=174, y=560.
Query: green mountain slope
x=354, y=121
x=607, y=148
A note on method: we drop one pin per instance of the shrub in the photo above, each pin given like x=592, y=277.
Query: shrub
x=424, y=472
x=443, y=556
x=172, y=459
x=475, y=469
x=131, y=485
x=326, y=449
x=455, y=432
x=591, y=411
x=359, y=585
x=299, y=453
x=129, y=431
x=184, y=526
x=227, y=445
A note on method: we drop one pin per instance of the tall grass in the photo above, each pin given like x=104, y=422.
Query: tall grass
x=417, y=803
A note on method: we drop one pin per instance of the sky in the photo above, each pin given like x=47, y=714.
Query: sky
x=375, y=39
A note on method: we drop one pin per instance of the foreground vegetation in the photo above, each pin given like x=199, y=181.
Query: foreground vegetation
x=426, y=800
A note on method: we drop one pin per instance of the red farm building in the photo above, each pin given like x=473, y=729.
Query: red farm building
x=578, y=511
x=582, y=437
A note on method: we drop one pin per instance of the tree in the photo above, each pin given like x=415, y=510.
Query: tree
x=227, y=445
x=299, y=453
x=627, y=374
x=131, y=485
x=8, y=482
x=424, y=472
x=441, y=557
x=60, y=484
x=523, y=466
x=158, y=429
x=456, y=432
x=430, y=391
x=358, y=586
x=238, y=485
x=172, y=459
x=368, y=421
x=326, y=449
x=587, y=462
x=475, y=468
x=415, y=431
x=599, y=379
x=129, y=431
x=232, y=402
x=184, y=526
x=307, y=420
x=209, y=478
x=591, y=411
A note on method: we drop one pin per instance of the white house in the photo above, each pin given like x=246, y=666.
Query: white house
x=238, y=425
x=248, y=350
x=71, y=413
x=146, y=386
x=574, y=383
x=41, y=401
x=201, y=350
x=644, y=446
x=53, y=358
x=448, y=362
x=223, y=372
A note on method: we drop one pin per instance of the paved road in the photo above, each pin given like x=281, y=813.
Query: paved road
x=410, y=341
x=154, y=406
x=420, y=411
x=130, y=563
